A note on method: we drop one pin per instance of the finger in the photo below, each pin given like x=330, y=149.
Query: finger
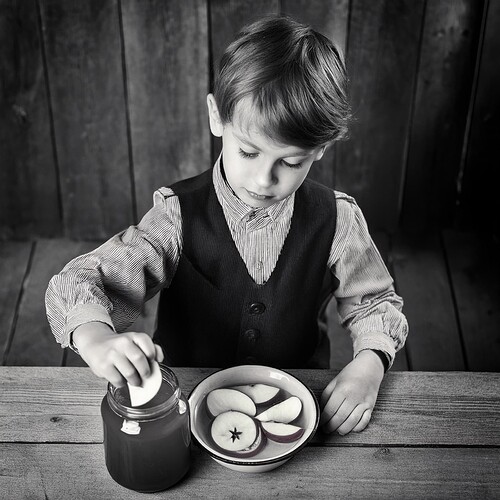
x=145, y=343
x=352, y=420
x=331, y=408
x=114, y=377
x=138, y=359
x=327, y=392
x=365, y=419
x=159, y=353
x=339, y=417
x=127, y=370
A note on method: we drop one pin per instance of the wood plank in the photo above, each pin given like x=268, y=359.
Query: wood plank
x=479, y=203
x=422, y=280
x=330, y=19
x=84, y=61
x=49, y=404
x=28, y=177
x=14, y=262
x=382, y=58
x=361, y=473
x=33, y=342
x=446, y=69
x=166, y=53
x=475, y=272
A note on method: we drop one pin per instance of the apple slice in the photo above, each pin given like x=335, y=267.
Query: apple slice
x=282, y=433
x=221, y=400
x=233, y=431
x=140, y=395
x=284, y=412
x=260, y=393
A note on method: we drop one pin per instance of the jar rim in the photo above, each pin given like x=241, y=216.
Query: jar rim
x=151, y=412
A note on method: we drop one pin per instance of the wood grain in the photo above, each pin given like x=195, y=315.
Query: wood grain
x=49, y=404
x=475, y=273
x=446, y=69
x=42, y=471
x=422, y=280
x=382, y=56
x=33, y=342
x=14, y=263
x=166, y=53
x=84, y=62
x=29, y=200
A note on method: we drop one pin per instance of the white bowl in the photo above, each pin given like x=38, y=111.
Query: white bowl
x=274, y=454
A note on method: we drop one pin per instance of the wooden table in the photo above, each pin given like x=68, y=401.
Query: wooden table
x=432, y=435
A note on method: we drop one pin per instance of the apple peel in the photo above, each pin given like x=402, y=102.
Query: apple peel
x=142, y=394
x=259, y=393
x=282, y=433
x=285, y=412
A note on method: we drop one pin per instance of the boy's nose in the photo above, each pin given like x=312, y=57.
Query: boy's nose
x=265, y=176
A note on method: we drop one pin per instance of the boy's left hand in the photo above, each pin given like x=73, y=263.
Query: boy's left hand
x=348, y=400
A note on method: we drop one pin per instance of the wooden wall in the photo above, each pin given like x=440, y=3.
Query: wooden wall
x=103, y=101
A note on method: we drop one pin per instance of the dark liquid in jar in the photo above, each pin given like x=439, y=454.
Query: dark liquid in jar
x=157, y=457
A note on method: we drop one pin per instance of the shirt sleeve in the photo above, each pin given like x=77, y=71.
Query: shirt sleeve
x=111, y=283
x=367, y=304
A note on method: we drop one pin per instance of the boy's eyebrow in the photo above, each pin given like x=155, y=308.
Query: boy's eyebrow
x=248, y=143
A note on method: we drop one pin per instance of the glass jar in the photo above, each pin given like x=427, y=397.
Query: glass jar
x=147, y=447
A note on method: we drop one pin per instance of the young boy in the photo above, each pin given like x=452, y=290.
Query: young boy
x=246, y=253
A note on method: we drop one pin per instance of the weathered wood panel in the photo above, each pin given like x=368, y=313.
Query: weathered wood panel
x=475, y=274
x=42, y=471
x=418, y=409
x=330, y=19
x=29, y=202
x=166, y=53
x=422, y=280
x=33, y=342
x=479, y=200
x=382, y=56
x=14, y=263
x=446, y=70
x=82, y=41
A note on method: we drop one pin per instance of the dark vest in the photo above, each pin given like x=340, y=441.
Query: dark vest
x=215, y=315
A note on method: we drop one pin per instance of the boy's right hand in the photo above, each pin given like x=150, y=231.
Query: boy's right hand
x=119, y=358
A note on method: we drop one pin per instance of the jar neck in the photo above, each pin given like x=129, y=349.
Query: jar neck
x=121, y=405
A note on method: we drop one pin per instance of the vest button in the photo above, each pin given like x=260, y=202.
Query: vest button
x=257, y=308
x=252, y=334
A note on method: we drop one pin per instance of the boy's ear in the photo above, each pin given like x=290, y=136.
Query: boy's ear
x=213, y=115
x=320, y=153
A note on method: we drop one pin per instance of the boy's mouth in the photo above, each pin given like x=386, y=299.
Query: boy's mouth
x=258, y=196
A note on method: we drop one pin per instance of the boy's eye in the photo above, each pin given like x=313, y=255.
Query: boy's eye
x=244, y=154
x=292, y=165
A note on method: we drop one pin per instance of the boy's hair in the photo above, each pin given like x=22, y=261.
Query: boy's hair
x=294, y=77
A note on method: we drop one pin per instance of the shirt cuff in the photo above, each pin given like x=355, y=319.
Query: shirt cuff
x=376, y=342
x=82, y=314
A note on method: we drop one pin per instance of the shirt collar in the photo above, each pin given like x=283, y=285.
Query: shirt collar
x=237, y=209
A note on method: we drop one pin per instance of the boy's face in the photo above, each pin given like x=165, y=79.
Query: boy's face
x=260, y=171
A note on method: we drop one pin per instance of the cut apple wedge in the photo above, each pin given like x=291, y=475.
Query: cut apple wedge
x=222, y=400
x=282, y=433
x=260, y=393
x=142, y=394
x=285, y=412
x=234, y=431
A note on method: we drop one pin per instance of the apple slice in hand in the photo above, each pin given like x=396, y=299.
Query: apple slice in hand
x=260, y=393
x=237, y=434
x=221, y=400
x=284, y=412
x=282, y=433
x=140, y=395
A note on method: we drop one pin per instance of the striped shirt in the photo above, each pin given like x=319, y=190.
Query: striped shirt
x=111, y=283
